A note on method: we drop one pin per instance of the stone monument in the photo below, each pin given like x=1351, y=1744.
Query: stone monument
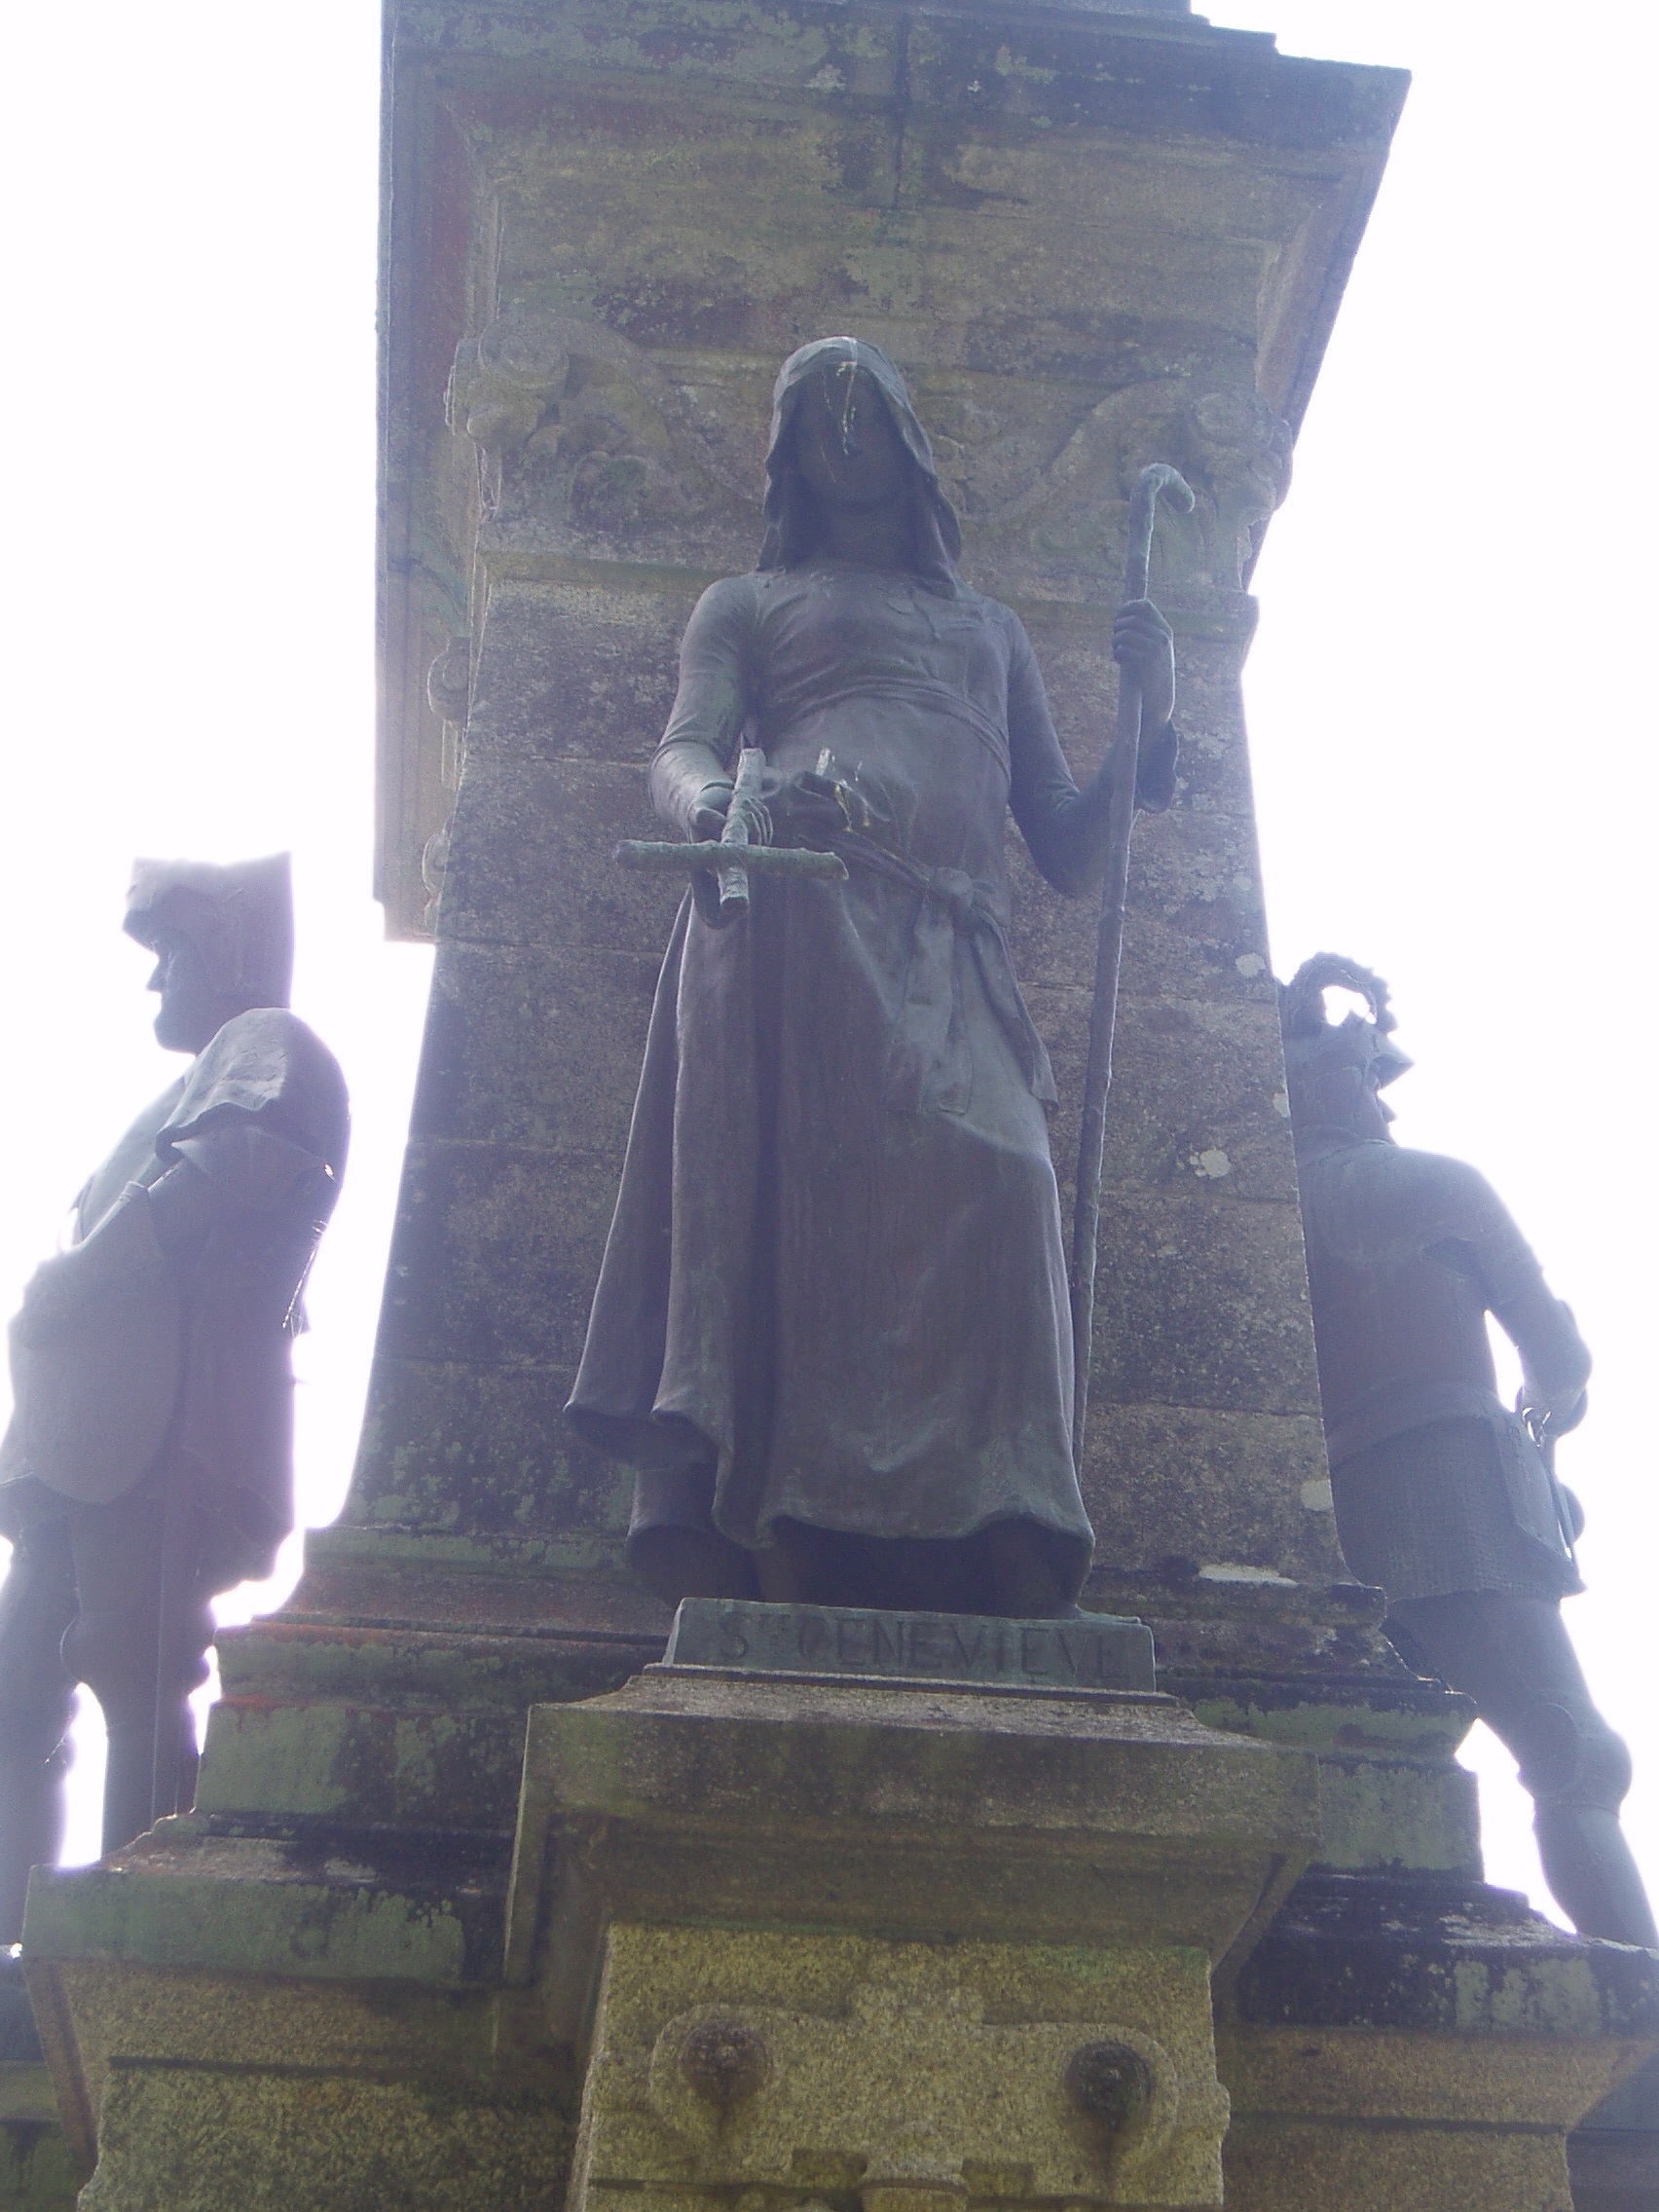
x=485, y=1899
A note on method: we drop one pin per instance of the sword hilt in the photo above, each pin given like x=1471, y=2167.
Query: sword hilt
x=646, y=857
x=722, y=855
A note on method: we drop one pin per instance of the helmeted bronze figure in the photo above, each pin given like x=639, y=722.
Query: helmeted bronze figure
x=832, y=1332
x=149, y=1462
x=1444, y=1497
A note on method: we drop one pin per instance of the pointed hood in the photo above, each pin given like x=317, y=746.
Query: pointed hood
x=240, y=919
x=791, y=512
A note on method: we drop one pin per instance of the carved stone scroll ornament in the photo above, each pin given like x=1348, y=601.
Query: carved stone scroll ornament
x=573, y=420
x=1233, y=449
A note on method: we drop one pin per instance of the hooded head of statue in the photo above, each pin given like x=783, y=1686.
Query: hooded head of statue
x=843, y=380
x=223, y=938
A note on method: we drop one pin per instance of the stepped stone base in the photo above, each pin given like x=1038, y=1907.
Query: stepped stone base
x=918, y=1908
x=1413, y=2044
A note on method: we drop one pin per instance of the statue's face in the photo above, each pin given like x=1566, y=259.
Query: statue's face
x=193, y=1011
x=1342, y=1096
x=846, y=444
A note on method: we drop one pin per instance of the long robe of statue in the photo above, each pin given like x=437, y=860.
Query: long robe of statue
x=834, y=1297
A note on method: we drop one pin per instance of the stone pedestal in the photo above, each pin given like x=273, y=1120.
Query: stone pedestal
x=1404, y=2046
x=917, y=1920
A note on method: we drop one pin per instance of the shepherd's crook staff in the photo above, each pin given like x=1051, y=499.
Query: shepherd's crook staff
x=1103, y=1020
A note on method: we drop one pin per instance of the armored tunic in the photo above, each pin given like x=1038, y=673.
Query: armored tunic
x=139, y=1373
x=834, y=1288
x=1438, y=1486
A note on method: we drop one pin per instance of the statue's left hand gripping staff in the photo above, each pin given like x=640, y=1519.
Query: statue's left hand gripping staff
x=733, y=874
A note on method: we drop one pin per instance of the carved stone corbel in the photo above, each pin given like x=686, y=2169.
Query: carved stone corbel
x=506, y=380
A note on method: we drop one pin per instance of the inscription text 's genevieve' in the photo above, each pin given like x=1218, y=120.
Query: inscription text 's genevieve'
x=879, y=1643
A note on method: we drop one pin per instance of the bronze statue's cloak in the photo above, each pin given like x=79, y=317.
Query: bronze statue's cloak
x=133, y=1371
x=834, y=1288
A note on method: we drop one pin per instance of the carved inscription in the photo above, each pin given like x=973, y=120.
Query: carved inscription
x=1096, y=1652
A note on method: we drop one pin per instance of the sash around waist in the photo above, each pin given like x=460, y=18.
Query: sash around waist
x=912, y=690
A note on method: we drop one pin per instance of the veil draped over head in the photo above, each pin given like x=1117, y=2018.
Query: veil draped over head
x=792, y=511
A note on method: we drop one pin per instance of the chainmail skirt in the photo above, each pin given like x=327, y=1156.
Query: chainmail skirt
x=1427, y=1513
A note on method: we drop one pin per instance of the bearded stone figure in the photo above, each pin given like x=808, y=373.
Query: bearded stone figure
x=149, y=1462
x=831, y=1331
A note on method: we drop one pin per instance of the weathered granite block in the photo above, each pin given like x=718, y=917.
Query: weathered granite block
x=583, y=669
x=1200, y=875
x=1404, y=2046
x=533, y=1044
x=944, y=1893
x=1194, y=914
x=459, y=1444
x=495, y=1253
x=1197, y=1096
x=903, y=2076
x=1198, y=1305
x=390, y=1727
x=423, y=1578
x=920, y=1811
x=37, y=2171
x=1213, y=1486
x=529, y=859
x=266, y=2140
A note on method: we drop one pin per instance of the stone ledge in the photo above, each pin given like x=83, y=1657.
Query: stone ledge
x=398, y=1909
x=1443, y=1958
x=924, y=1813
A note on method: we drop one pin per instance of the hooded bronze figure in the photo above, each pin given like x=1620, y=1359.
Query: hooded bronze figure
x=149, y=1462
x=1445, y=1498
x=830, y=1331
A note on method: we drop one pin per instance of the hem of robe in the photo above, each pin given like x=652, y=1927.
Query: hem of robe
x=675, y=1487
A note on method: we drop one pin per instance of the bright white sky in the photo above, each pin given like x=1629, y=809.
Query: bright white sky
x=1452, y=777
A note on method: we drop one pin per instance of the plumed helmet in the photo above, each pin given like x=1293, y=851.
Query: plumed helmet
x=791, y=512
x=240, y=919
x=1313, y=1042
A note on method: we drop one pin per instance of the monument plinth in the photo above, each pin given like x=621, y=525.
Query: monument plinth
x=920, y=1907
x=1091, y=238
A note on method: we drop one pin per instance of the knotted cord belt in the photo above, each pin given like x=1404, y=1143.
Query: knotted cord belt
x=928, y=1065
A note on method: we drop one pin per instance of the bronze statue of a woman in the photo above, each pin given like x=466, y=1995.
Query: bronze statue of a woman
x=832, y=1332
